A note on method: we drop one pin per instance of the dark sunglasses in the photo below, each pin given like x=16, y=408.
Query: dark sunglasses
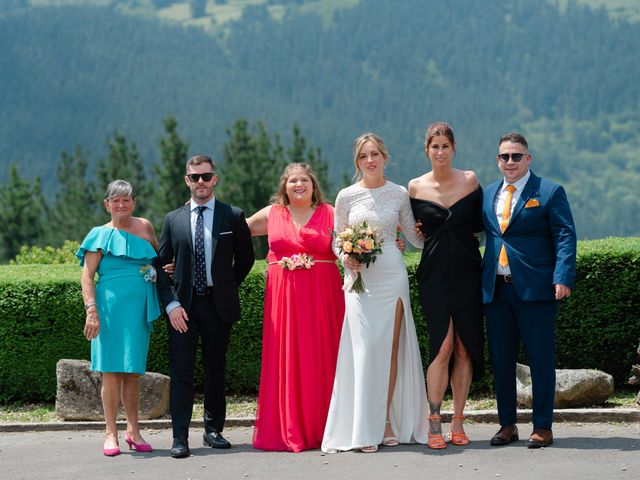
x=516, y=157
x=195, y=177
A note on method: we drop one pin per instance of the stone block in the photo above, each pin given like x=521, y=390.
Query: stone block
x=78, y=393
x=575, y=388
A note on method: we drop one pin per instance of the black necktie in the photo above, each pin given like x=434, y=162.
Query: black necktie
x=200, y=264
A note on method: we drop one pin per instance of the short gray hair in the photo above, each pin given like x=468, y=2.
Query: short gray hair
x=119, y=188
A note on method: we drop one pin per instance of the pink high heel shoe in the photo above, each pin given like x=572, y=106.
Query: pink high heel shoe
x=138, y=447
x=111, y=452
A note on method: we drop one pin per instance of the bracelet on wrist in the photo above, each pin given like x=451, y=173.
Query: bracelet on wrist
x=87, y=306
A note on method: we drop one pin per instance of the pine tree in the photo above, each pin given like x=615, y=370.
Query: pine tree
x=321, y=169
x=170, y=191
x=298, y=153
x=252, y=165
x=250, y=168
x=250, y=171
x=74, y=210
x=22, y=210
x=123, y=162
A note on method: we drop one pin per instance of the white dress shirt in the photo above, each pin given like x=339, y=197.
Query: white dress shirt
x=208, y=225
x=499, y=207
x=207, y=216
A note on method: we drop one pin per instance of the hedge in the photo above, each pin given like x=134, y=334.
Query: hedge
x=41, y=321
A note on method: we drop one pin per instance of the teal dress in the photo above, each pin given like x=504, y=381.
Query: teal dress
x=126, y=298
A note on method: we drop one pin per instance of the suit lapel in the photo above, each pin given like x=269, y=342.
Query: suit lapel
x=530, y=189
x=218, y=216
x=490, y=199
x=184, y=224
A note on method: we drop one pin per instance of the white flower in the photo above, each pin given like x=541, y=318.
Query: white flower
x=149, y=273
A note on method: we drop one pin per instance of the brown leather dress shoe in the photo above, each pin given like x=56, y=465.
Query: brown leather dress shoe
x=541, y=437
x=506, y=435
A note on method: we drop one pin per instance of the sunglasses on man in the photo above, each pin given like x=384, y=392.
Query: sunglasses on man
x=516, y=157
x=195, y=177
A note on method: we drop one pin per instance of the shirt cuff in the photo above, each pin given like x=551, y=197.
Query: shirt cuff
x=173, y=305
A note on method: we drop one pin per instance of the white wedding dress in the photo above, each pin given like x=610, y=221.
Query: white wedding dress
x=358, y=408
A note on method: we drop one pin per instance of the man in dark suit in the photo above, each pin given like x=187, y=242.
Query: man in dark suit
x=210, y=244
x=528, y=266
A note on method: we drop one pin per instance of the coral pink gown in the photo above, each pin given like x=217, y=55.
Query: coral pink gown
x=303, y=314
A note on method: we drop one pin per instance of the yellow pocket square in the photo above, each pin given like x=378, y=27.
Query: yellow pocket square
x=532, y=203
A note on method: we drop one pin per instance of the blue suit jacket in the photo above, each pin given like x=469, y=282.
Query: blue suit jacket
x=540, y=241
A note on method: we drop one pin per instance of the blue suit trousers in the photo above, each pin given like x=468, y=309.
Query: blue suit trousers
x=511, y=320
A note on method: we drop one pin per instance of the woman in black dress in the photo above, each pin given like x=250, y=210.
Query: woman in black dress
x=448, y=203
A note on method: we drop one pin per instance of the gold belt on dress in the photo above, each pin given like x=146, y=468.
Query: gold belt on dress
x=314, y=261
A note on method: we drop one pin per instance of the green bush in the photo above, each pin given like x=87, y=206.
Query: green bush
x=41, y=321
x=599, y=325
x=41, y=318
x=47, y=255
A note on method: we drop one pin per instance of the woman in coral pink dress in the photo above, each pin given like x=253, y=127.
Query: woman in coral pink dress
x=303, y=313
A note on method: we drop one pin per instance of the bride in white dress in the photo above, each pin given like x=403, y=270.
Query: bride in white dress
x=379, y=393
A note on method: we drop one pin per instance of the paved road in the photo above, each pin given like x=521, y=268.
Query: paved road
x=587, y=451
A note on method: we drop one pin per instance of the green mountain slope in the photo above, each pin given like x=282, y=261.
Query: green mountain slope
x=563, y=73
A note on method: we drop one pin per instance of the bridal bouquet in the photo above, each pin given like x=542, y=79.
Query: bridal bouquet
x=364, y=244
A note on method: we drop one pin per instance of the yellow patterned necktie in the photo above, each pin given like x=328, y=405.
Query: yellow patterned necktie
x=506, y=216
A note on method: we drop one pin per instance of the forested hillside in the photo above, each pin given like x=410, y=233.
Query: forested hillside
x=564, y=74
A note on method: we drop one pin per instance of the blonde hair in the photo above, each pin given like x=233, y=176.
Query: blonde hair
x=357, y=147
x=281, y=198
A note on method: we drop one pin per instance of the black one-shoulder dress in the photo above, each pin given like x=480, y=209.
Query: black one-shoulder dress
x=449, y=274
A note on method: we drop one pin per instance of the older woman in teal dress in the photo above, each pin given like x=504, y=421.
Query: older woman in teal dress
x=120, y=308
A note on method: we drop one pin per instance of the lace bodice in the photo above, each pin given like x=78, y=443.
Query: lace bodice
x=384, y=208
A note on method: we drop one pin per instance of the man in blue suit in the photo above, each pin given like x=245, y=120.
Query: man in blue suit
x=528, y=266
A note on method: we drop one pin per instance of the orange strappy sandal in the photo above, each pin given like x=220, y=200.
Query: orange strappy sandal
x=459, y=438
x=435, y=440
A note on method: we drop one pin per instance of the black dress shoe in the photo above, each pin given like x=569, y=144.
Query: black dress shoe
x=540, y=437
x=215, y=440
x=180, y=448
x=506, y=435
